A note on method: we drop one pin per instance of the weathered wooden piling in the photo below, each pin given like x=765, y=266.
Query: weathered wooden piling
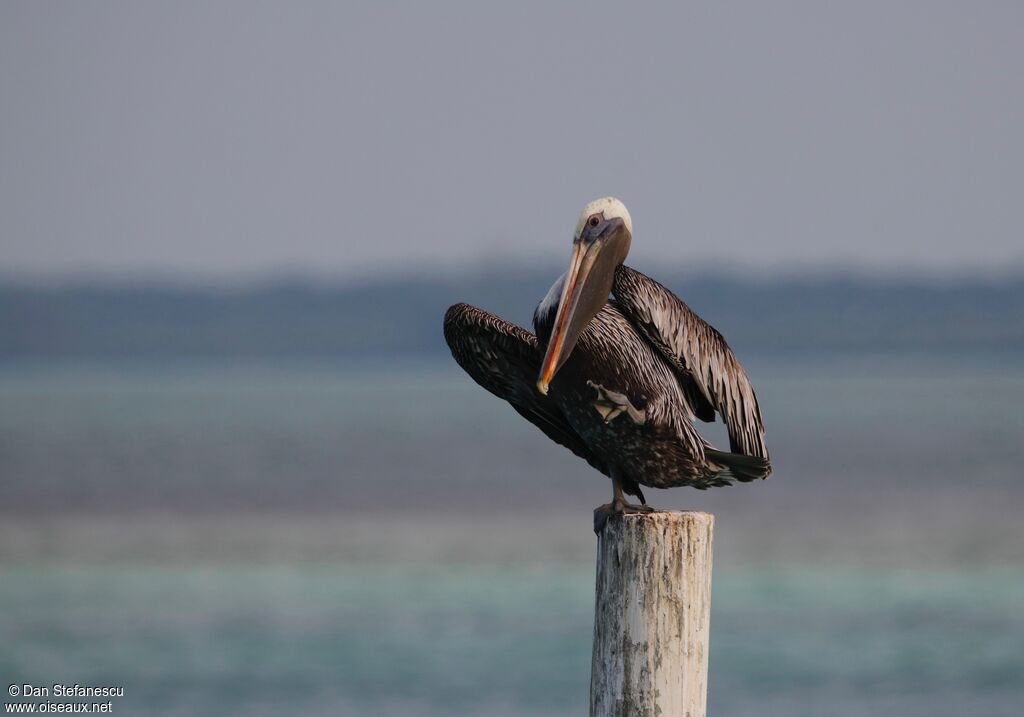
x=652, y=616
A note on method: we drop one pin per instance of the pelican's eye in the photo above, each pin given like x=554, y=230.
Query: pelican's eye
x=594, y=220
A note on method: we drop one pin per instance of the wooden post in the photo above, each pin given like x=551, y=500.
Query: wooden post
x=652, y=616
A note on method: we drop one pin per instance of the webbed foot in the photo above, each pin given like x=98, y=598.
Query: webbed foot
x=617, y=507
x=611, y=404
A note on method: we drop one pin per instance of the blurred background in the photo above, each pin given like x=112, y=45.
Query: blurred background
x=239, y=471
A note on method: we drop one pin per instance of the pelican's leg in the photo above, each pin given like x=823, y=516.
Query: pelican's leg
x=618, y=506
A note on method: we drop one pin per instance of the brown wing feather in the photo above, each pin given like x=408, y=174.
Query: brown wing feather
x=504, y=359
x=708, y=370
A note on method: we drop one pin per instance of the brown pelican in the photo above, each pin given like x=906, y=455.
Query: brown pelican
x=618, y=381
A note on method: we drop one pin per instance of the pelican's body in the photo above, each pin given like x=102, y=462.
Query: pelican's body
x=610, y=354
x=618, y=381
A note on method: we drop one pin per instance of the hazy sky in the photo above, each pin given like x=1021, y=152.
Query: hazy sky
x=241, y=138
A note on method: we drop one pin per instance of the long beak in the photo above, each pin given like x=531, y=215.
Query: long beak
x=587, y=283
x=556, y=353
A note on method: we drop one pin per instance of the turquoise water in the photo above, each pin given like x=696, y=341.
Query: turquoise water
x=513, y=640
x=390, y=540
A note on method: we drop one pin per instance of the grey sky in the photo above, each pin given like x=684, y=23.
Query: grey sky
x=338, y=138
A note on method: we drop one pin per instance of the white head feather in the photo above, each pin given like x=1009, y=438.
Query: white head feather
x=611, y=207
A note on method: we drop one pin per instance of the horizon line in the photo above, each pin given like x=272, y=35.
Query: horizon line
x=494, y=268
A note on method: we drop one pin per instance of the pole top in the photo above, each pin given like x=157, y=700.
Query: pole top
x=663, y=518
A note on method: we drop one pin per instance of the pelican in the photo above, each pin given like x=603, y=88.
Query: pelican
x=618, y=381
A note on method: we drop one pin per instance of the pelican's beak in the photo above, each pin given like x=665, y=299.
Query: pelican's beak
x=587, y=285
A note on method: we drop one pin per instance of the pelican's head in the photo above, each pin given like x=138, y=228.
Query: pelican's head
x=599, y=245
x=605, y=209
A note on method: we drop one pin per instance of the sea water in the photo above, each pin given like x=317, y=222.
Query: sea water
x=309, y=538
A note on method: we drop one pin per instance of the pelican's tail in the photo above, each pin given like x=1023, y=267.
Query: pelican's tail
x=736, y=466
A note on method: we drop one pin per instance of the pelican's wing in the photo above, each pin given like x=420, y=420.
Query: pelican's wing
x=504, y=359
x=709, y=373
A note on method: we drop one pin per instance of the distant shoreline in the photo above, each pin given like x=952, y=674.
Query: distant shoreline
x=402, y=317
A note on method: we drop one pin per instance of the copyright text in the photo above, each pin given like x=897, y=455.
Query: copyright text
x=26, y=691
